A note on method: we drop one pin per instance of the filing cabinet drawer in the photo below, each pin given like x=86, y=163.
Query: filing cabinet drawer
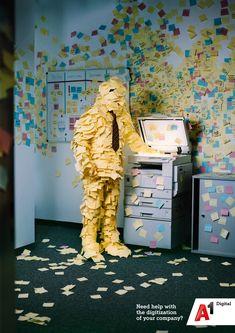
x=148, y=181
x=146, y=232
x=148, y=212
x=149, y=202
x=155, y=193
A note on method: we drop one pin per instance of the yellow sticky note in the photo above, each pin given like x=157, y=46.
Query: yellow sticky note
x=206, y=197
x=158, y=236
x=203, y=17
x=143, y=233
x=214, y=216
x=134, y=197
x=137, y=224
x=57, y=173
x=224, y=233
x=128, y=211
x=208, y=183
x=232, y=211
x=135, y=182
x=220, y=189
x=230, y=201
x=213, y=202
x=147, y=193
x=67, y=161
x=222, y=220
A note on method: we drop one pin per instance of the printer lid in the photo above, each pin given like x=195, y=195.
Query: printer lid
x=167, y=134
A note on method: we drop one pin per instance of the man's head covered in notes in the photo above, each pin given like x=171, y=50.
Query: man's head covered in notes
x=112, y=94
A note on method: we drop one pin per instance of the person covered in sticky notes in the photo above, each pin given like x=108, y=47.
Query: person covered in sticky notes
x=99, y=137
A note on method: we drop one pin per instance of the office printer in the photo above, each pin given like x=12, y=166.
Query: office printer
x=158, y=186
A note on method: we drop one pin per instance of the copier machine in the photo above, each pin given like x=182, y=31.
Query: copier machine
x=158, y=186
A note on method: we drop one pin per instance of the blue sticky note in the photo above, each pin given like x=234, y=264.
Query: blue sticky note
x=27, y=142
x=171, y=27
x=62, y=64
x=73, y=89
x=148, y=23
x=119, y=7
x=192, y=2
x=75, y=96
x=223, y=77
x=208, y=41
x=120, y=32
x=159, y=203
x=135, y=30
x=208, y=227
x=79, y=89
x=128, y=38
x=161, y=228
x=217, y=21
x=80, y=35
x=212, y=189
x=102, y=27
x=187, y=53
x=29, y=80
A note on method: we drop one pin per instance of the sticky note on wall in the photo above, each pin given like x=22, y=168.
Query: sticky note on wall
x=232, y=211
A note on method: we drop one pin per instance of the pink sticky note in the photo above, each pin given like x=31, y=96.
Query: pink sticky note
x=152, y=244
x=214, y=239
x=135, y=172
x=224, y=212
x=228, y=190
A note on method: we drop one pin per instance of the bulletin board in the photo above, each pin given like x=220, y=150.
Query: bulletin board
x=70, y=94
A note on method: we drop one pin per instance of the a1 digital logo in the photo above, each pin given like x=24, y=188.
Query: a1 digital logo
x=212, y=312
x=203, y=313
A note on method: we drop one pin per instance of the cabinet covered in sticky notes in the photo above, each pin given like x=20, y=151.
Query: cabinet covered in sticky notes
x=213, y=214
x=158, y=186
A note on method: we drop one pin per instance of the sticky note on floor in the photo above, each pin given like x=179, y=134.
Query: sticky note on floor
x=224, y=233
x=137, y=224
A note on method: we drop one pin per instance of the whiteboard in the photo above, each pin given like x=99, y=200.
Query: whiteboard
x=70, y=94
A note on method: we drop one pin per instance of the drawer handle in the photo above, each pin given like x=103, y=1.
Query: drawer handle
x=146, y=203
x=146, y=214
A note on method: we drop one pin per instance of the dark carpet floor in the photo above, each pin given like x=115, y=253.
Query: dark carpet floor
x=79, y=313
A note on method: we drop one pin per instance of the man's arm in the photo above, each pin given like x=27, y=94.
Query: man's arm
x=84, y=131
x=132, y=138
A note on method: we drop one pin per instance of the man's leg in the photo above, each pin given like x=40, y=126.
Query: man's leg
x=109, y=233
x=91, y=210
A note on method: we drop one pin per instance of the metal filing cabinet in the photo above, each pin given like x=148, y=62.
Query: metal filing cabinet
x=213, y=214
x=158, y=187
